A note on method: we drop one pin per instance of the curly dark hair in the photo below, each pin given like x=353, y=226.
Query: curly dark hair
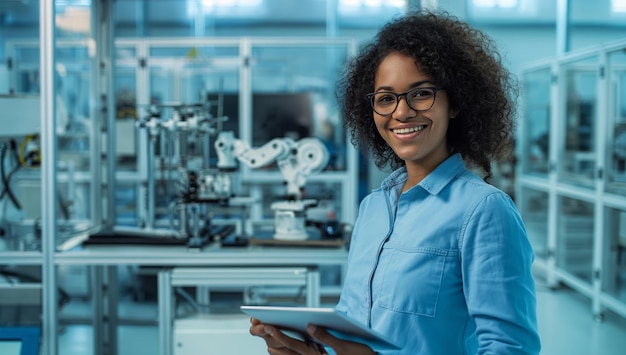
x=461, y=59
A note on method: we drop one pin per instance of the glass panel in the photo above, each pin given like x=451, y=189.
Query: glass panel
x=534, y=211
x=191, y=90
x=125, y=93
x=74, y=123
x=293, y=96
x=536, y=121
x=126, y=108
x=126, y=197
x=575, y=237
x=125, y=82
x=26, y=70
x=72, y=84
x=185, y=74
x=27, y=54
x=581, y=99
x=615, y=249
x=161, y=84
x=616, y=164
x=20, y=147
x=76, y=113
x=20, y=159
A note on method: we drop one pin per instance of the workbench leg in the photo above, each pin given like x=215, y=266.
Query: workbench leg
x=111, y=311
x=166, y=312
x=313, y=298
x=203, y=297
x=97, y=300
x=104, y=302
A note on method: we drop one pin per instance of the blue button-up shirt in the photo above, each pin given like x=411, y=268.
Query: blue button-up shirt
x=443, y=268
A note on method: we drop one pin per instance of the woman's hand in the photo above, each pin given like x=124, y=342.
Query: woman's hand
x=280, y=344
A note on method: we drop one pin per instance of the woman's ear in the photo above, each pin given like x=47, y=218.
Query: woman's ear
x=453, y=113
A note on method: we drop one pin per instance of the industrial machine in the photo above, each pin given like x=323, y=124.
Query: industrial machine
x=187, y=169
x=296, y=161
x=188, y=122
x=19, y=150
x=202, y=186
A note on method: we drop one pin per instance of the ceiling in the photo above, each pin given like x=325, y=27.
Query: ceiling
x=314, y=12
x=182, y=12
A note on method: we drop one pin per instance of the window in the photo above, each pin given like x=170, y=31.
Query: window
x=618, y=6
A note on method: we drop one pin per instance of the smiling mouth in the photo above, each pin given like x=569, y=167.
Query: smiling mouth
x=408, y=130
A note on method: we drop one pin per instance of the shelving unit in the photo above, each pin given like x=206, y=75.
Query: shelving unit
x=572, y=144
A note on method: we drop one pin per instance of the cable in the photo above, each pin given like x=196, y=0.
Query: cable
x=15, y=169
x=3, y=146
x=6, y=180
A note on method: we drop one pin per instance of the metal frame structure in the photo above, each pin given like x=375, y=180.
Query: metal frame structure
x=143, y=47
x=49, y=158
x=556, y=185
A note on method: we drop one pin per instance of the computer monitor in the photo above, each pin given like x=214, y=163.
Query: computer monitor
x=19, y=340
x=274, y=115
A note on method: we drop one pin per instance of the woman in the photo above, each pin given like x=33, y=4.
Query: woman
x=439, y=259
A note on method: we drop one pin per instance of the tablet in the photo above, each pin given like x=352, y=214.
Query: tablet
x=338, y=324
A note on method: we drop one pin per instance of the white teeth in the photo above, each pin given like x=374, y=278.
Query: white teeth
x=408, y=130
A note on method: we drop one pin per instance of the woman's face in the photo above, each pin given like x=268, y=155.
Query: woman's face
x=418, y=138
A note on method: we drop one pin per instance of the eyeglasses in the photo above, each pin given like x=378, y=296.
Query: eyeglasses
x=419, y=99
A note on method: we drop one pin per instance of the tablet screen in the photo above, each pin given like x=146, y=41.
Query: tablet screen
x=297, y=318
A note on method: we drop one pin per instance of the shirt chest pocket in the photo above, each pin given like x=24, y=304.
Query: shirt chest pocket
x=409, y=280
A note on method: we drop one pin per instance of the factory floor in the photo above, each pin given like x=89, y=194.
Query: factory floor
x=566, y=326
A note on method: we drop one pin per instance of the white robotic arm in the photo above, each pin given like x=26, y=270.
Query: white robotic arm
x=308, y=156
x=275, y=150
x=296, y=160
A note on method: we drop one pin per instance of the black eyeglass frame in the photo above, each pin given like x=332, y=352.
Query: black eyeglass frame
x=435, y=89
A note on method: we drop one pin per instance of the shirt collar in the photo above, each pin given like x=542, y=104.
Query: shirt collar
x=436, y=181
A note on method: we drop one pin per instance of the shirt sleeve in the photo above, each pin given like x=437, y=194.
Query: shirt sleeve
x=496, y=261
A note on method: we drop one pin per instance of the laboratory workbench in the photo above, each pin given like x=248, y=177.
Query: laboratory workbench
x=210, y=266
